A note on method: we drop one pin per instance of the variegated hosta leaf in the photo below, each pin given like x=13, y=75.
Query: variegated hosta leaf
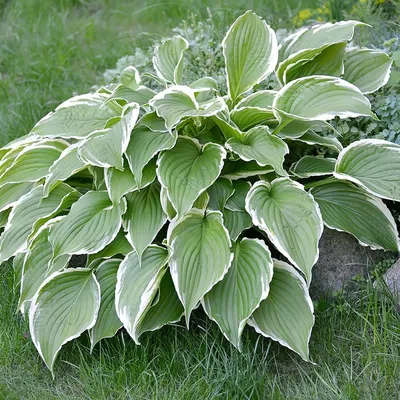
x=119, y=245
x=153, y=122
x=142, y=95
x=107, y=322
x=168, y=59
x=65, y=166
x=320, y=98
x=130, y=77
x=92, y=224
x=328, y=62
x=144, y=145
x=236, y=222
x=313, y=138
x=78, y=116
x=309, y=166
x=38, y=264
x=29, y=213
x=205, y=89
x=10, y=193
x=228, y=128
x=137, y=284
x=251, y=51
x=318, y=36
x=32, y=164
x=66, y=305
x=237, y=201
x=189, y=169
x=261, y=99
x=104, y=148
x=296, y=129
x=200, y=255
x=367, y=69
x=286, y=315
x=166, y=310
x=119, y=183
x=232, y=301
x=248, y=117
x=345, y=207
x=18, y=267
x=144, y=217
x=259, y=145
x=373, y=164
x=219, y=193
x=179, y=101
x=238, y=170
x=291, y=219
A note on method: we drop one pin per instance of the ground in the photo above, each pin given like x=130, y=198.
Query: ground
x=53, y=50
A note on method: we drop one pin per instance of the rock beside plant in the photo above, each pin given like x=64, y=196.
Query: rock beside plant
x=341, y=258
x=392, y=280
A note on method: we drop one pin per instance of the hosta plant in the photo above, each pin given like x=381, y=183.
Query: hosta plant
x=179, y=197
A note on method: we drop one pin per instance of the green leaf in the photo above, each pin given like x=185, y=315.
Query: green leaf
x=29, y=213
x=10, y=193
x=262, y=99
x=367, y=69
x=92, y=224
x=233, y=300
x=328, y=62
x=167, y=310
x=219, y=193
x=65, y=306
x=313, y=138
x=259, y=145
x=228, y=128
x=153, y=122
x=318, y=36
x=236, y=222
x=130, y=77
x=179, y=101
x=248, y=117
x=309, y=166
x=144, y=145
x=291, y=219
x=38, y=265
x=107, y=323
x=119, y=245
x=119, y=183
x=77, y=117
x=144, y=217
x=168, y=59
x=239, y=169
x=137, y=284
x=189, y=169
x=296, y=129
x=320, y=98
x=4, y=217
x=200, y=255
x=104, y=148
x=64, y=167
x=286, y=315
x=142, y=95
x=31, y=165
x=237, y=201
x=345, y=207
x=373, y=164
x=251, y=51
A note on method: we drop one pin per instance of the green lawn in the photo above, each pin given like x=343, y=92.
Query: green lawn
x=51, y=50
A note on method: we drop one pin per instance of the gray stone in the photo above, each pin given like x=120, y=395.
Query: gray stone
x=392, y=280
x=341, y=258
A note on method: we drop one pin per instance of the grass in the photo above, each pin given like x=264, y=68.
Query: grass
x=53, y=50
x=355, y=345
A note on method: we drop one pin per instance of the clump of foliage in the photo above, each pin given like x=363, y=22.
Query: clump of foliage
x=178, y=197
